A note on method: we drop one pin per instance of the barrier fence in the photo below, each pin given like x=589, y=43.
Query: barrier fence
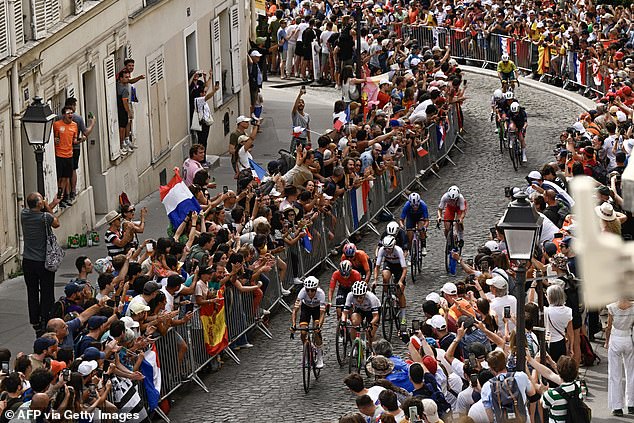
x=568, y=68
x=185, y=350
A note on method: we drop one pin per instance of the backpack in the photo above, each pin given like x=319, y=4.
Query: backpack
x=507, y=400
x=58, y=309
x=599, y=172
x=588, y=356
x=436, y=395
x=576, y=410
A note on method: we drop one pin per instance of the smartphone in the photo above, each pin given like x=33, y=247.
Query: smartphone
x=66, y=375
x=472, y=360
x=413, y=414
x=189, y=308
x=149, y=248
x=507, y=192
x=225, y=189
x=507, y=312
x=111, y=303
x=494, y=232
x=5, y=367
x=92, y=388
x=320, y=188
x=474, y=380
x=416, y=324
x=257, y=192
x=117, y=299
x=106, y=364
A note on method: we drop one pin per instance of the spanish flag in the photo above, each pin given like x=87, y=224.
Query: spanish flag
x=212, y=317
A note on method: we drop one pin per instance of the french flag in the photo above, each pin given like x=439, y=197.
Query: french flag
x=258, y=171
x=307, y=242
x=151, y=369
x=339, y=120
x=359, y=203
x=505, y=45
x=178, y=200
x=441, y=134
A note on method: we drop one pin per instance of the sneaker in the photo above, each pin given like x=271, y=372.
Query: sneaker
x=524, y=159
x=403, y=322
x=497, y=130
x=265, y=312
x=424, y=251
x=617, y=413
x=319, y=360
x=247, y=345
x=297, y=281
x=123, y=151
x=64, y=204
x=285, y=292
x=71, y=197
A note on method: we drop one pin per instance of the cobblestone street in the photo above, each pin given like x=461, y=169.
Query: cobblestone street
x=267, y=385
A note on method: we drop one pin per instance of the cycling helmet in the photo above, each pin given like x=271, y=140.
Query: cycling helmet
x=359, y=288
x=515, y=107
x=508, y=95
x=311, y=282
x=345, y=267
x=389, y=241
x=498, y=93
x=392, y=228
x=505, y=57
x=453, y=192
x=414, y=199
x=349, y=249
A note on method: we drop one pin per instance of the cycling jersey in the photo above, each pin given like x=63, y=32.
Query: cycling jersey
x=506, y=67
x=319, y=300
x=413, y=216
x=401, y=238
x=344, y=282
x=460, y=203
x=519, y=119
x=392, y=257
x=360, y=261
x=370, y=303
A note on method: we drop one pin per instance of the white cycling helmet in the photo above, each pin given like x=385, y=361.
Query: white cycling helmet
x=345, y=267
x=453, y=192
x=515, y=107
x=392, y=228
x=508, y=95
x=389, y=241
x=498, y=93
x=311, y=282
x=414, y=199
x=359, y=288
x=505, y=57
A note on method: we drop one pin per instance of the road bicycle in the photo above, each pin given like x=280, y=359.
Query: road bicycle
x=359, y=350
x=452, y=243
x=390, y=307
x=343, y=343
x=499, y=123
x=309, y=352
x=515, y=149
x=416, y=252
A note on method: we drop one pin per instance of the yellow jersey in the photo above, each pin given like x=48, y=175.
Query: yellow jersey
x=507, y=67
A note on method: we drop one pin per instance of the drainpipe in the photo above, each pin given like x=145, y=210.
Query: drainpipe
x=17, y=127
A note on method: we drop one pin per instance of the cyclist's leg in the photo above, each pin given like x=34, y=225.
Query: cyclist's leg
x=304, y=319
x=340, y=300
x=315, y=314
x=397, y=271
x=371, y=334
x=422, y=235
x=447, y=215
x=387, y=273
x=355, y=319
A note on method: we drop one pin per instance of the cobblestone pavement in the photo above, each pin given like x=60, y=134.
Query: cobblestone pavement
x=267, y=386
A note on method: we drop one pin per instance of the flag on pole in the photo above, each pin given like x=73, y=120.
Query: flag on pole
x=441, y=134
x=212, y=317
x=127, y=399
x=339, y=120
x=307, y=241
x=505, y=45
x=178, y=200
x=258, y=171
x=151, y=369
x=359, y=204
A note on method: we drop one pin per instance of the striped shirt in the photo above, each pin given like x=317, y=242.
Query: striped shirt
x=556, y=404
x=113, y=250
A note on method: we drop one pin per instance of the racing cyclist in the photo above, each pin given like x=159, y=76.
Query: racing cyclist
x=507, y=70
x=496, y=100
x=361, y=305
x=415, y=216
x=391, y=260
x=359, y=259
x=344, y=277
x=453, y=206
x=311, y=301
x=394, y=228
x=518, y=121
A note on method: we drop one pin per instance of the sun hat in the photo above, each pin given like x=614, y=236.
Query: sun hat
x=605, y=211
x=380, y=366
x=112, y=216
x=87, y=367
x=431, y=410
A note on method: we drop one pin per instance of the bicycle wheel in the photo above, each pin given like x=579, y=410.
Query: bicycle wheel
x=387, y=318
x=448, y=248
x=341, y=345
x=512, y=154
x=501, y=137
x=313, y=360
x=419, y=260
x=396, y=321
x=518, y=152
x=306, y=365
x=413, y=257
x=354, y=361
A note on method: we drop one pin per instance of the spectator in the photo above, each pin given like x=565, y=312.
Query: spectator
x=124, y=112
x=65, y=134
x=84, y=133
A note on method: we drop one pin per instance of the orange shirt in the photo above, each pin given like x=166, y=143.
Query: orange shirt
x=66, y=133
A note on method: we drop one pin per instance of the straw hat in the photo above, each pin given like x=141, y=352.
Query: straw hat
x=605, y=211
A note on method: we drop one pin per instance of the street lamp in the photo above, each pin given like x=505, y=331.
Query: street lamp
x=521, y=226
x=358, y=16
x=37, y=122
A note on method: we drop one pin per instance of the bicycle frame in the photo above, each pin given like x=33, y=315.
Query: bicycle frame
x=309, y=351
x=358, y=350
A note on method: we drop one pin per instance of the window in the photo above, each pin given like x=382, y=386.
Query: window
x=157, y=101
x=226, y=37
x=46, y=13
x=6, y=32
x=110, y=78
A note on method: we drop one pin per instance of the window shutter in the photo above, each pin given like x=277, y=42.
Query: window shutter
x=236, y=56
x=19, y=23
x=4, y=31
x=39, y=18
x=217, y=59
x=70, y=91
x=79, y=6
x=110, y=78
x=152, y=72
x=52, y=13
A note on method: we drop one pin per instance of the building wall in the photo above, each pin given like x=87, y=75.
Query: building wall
x=78, y=57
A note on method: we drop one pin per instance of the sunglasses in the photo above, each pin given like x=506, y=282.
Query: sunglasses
x=130, y=211
x=359, y=297
x=311, y=290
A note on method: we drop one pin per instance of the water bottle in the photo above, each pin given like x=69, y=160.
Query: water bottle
x=453, y=264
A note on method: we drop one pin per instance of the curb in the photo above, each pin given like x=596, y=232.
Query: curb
x=579, y=100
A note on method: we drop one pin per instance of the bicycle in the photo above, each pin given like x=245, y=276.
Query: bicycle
x=342, y=343
x=501, y=133
x=390, y=307
x=515, y=149
x=308, y=356
x=359, y=348
x=415, y=251
x=452, y=243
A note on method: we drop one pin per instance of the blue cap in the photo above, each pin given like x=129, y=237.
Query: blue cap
x=96, y=321
x=566, y=240
x=92, y=353
x=41, y=344
x=72, y=288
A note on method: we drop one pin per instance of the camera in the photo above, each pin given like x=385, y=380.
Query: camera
x=5, y=367
x=406, y=334
x=66, y=375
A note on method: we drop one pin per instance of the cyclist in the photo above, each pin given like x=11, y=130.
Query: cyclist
x=362, y=305
x=311, y=301
x=518, y=121
x=504, y=106
x=394, y=228
x=359, y=259
x=344, y=277
x=453, y=206
x=507, y=70
x=392, y=261
x=415, y=216
x=496, y=100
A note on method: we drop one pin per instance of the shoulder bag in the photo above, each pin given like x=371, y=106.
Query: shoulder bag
x=54, y=253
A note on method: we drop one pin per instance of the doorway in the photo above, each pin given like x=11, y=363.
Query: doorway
x=94, y=145
x=191, y=49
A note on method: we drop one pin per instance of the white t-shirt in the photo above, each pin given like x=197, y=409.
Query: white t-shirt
x=557, y=318
x=243, y=158
x=464, y=402
x=300, y=30
x=498, y=304
x=138, y=299
x=549, y=229
x=323, y=40
x=478, y=413
x=374, y=392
